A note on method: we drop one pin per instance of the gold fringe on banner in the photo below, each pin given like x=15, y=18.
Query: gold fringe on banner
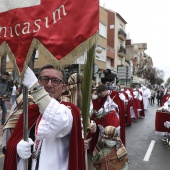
x=33, y=46
x=67, y=60
x=36, y=44
x=4, y=49
x=72, y=56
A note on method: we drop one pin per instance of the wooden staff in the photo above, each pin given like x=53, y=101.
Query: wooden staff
x=25, y=123
x=25, y=109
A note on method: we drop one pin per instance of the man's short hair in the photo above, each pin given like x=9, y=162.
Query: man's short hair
x=49, y=66
x=101, y=88
x=6, y=74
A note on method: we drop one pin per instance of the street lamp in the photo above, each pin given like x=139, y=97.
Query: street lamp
x=98, y=50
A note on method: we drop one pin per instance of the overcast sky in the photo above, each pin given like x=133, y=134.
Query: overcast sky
x=148, y=21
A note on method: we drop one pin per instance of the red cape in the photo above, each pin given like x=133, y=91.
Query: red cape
x=76, y=152
x=115, y=97
x=110, y=119
x=98, y=103
x=127, y=112
x=138, y=104
x=131, y=90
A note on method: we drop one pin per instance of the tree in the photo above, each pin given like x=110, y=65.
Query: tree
x=168, y=80
x=159, y=81
x=160, y=73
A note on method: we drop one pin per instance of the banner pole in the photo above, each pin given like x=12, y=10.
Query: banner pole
x=25, y=120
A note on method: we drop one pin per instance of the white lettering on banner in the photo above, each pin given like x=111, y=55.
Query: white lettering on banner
x=6, y=5
x=17, y=25
x=36, y=24
x=27, y=28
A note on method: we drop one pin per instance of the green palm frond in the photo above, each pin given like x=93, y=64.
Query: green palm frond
x=87, y=86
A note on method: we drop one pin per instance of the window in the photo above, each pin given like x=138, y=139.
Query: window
x=121, y=26
x=120, y=44
x=36, y=55
x=102, y=30
x=7, y=58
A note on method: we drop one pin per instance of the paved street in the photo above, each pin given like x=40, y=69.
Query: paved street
x=138, y=138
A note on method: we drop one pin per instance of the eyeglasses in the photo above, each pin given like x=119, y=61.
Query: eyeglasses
x=55, y=81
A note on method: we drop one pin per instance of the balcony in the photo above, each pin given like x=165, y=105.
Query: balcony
x=122, y=35
x=122, y=52
x=110, y=52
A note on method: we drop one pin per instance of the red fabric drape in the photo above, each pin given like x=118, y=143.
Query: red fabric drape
x=164, y=99
x=160, y=118
x=10, y=161
x=54, y=23
x=76, y=152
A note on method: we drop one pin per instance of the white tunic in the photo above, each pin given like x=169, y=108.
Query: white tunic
x=54, y=133
x=146, y=95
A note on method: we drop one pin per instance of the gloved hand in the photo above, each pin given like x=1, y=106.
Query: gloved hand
x=29, y=78
x=24, y=148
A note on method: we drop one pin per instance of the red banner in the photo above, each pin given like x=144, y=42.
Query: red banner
x=58, y=26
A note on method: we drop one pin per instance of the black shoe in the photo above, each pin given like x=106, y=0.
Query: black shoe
x=2, y=123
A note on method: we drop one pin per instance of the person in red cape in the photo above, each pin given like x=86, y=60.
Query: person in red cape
x=103, y=112
x=104, y=108
x=119, y=98
x=138, y=102
x=55, y=127
x=127, y=105
x=129, y=92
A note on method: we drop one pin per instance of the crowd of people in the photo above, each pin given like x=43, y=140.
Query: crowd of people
x=128, y=103
x=55, y=122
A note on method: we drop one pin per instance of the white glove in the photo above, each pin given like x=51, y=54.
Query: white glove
x=24, y=148
x=29, y=78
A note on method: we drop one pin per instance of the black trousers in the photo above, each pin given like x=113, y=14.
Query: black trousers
x=159, y=102
x=152, y=100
